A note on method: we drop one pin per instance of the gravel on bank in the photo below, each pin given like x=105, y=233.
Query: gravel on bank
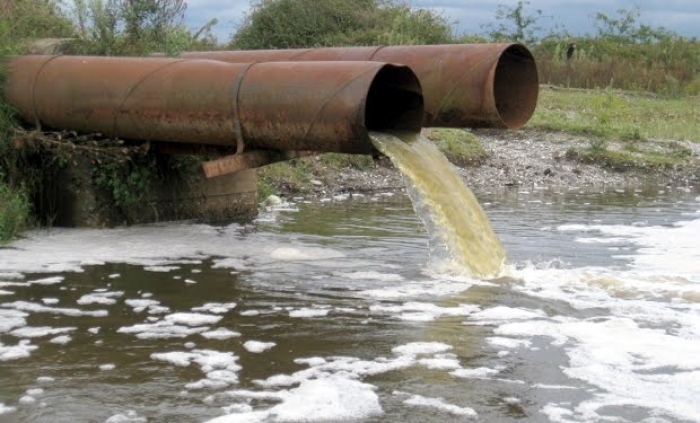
x=519, y=158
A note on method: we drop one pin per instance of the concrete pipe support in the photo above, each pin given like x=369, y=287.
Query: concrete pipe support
x=464, y=85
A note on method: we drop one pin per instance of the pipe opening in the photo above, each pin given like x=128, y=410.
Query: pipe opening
x=394, y=101
x=516, y=86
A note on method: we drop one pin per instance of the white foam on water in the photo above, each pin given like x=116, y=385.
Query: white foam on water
x=422, y=311
x=47, y=281
x=630, y=365
x=50, y=301
x=258, y=346
x=45, y=379
x=440, y=404
x=107, y=366
x=475, y=373
x=10, y=319
x=94, y=330
x=370, y=275
x=39, y=308
x=503, y=313
x=69, y=250
x=141, y=304
x=508, y=342
x=336, y=375
x=237, y=408
x=4, y=292
x=62, y=339
x=320, y=400
x=221, y=368
x=161, y=330
x=27, y=400
x=130, y=416
x=215, y=308
x=103, y=298
x=39, y=331
x=220, y=334
x=441, y=362
x=415, y=348
x=192, y=319
x=642, y=347
x=250, y=313
x=35, y=392
x=162, y=269
x=6, y=409
x=439, y=285
x=309, y=312
x=304, y=253
x=671, y=250
x=158, y=310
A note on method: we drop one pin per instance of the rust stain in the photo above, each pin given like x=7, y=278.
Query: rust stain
x=472, y=85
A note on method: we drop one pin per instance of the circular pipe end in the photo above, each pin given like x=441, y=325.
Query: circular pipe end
x=394, y=101
x=515, y=86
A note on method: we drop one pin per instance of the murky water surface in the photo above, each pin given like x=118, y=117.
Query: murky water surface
x=329, y=312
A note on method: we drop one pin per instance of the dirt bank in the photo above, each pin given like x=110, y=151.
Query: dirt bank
x=523, y=158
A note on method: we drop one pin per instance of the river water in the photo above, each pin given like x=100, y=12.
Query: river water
x=331, y=311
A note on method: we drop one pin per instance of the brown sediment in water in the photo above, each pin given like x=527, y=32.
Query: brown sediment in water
x=455, y=221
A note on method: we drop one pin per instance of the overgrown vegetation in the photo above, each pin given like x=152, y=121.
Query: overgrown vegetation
x=314, y=23
x=136, y=27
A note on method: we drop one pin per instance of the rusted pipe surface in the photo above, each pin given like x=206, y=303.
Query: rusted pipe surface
x=474, y=85
x=320, y=106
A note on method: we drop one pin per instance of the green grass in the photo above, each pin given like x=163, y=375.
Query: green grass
x=293, y=176
x=461, y=147
x=624, y=160
x=616, y=115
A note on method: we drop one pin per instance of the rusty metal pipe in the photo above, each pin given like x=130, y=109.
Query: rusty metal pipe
x=318, y=106
x=472, y=85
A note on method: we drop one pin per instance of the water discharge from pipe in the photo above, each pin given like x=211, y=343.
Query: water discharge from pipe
x=459, y=229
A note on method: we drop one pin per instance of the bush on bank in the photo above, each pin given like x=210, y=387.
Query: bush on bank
x=325, y=23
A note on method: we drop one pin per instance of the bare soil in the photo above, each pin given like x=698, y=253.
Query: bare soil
x=524, y=158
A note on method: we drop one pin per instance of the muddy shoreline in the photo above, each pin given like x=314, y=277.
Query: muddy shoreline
x=527, y=158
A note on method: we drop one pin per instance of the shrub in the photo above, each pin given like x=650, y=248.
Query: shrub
x=136, y=27
x=14, y=212
x=22, y=20
x=318, y=23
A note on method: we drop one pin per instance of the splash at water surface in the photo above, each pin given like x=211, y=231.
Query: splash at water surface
x=459, y=229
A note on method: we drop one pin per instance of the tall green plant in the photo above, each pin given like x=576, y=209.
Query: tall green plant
x=515, y=24
x=14, y=212
x=625, y=27
x=136, y=27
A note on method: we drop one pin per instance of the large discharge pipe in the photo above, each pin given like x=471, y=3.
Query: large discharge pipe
x=282, y=106
x=464, y=85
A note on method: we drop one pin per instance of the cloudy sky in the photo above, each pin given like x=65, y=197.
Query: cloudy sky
x=681, y=16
